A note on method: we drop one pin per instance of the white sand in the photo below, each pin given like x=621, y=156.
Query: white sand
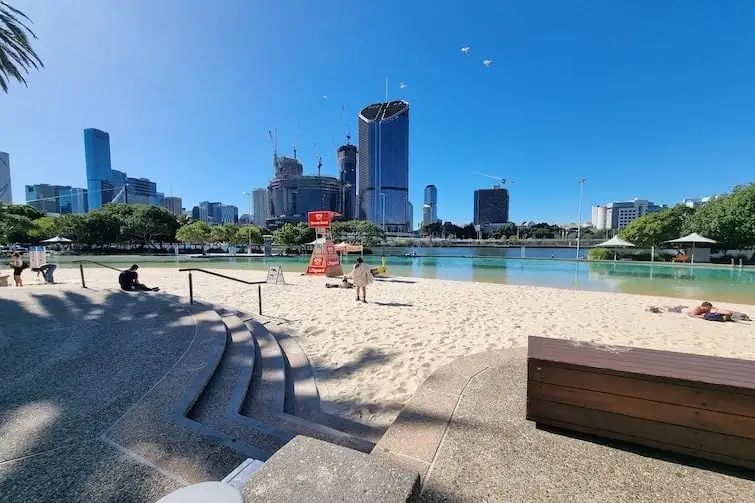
x=370, y=358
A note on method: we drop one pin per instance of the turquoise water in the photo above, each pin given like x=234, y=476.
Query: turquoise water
x=715, y=283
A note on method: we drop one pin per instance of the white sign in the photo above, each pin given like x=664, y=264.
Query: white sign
x=37, y=257
x=275, y=276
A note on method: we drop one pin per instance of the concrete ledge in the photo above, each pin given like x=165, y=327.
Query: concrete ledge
x=307, y=470
x=415, y=436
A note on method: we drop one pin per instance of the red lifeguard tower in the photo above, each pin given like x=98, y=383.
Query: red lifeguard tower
x=324, y=260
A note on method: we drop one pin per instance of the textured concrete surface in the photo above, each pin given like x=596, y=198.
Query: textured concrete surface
x=89, y=382
x=489, y=452
x=311, y=471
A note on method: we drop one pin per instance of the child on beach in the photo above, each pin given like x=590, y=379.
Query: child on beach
x=362, y=277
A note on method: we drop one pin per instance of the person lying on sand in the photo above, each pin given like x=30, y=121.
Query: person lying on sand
x=345, y=283
x=705, y=311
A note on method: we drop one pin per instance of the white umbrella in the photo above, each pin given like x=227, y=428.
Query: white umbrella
x=693, y=239
x=57, y=239
x=615, y=242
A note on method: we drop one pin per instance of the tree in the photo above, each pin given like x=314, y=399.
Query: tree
x=197, y=233
x=657, y=228
x=225, y=233
x=730, y=219
x=505, y=231
x=101, y=228
x=361, y=231
x=42, y=228
x=241, y=238
x=286, y=235
x=73, y=227
x=145, y=224
x=17, y=57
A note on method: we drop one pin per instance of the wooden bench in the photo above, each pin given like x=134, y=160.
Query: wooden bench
x=702, y=406
x=4, y=280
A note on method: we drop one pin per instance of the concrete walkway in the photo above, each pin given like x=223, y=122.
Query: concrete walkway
x=465, y=433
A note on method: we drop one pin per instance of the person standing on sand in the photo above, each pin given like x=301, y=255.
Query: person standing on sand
x=18, y=267
x=362, y=277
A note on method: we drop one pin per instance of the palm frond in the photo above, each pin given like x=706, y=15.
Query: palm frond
x=17, y=57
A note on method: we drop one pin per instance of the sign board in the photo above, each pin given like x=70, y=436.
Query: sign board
x=275, y=275
x=37, y=257
x=321, y=219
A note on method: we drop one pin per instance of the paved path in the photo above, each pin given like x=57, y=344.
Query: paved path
x=465, y=432
x=74, y=362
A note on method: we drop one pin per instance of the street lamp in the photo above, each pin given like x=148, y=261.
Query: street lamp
x=579, y=221
x=382, y=196
x=249, y=222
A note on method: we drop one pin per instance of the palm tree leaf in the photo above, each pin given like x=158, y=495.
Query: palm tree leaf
x=17, y=57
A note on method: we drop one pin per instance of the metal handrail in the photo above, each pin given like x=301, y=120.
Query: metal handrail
x=81, y=268
x=191, y=283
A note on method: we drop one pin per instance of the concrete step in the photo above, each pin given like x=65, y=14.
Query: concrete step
x=266, y=397
x=219, y=404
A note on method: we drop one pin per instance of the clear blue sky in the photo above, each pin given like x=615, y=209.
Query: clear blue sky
x=644, y=98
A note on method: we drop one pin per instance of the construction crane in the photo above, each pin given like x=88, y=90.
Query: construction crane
x=274, y=140
x=318, y=158
x=346, y=125
x=502, y=181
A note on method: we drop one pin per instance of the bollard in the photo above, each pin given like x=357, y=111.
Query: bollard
x=81, y=269
x=191, y=290
x=259, y=297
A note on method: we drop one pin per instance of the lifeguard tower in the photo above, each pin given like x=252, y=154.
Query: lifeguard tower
x=324, y=260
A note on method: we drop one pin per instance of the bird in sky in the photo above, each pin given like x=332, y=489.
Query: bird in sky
x=325, y=96
x=466, y=50
x=487, y=62
x=402, y=85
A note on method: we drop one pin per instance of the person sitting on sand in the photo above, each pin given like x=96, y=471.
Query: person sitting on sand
x=362, y=277
x=129, y=281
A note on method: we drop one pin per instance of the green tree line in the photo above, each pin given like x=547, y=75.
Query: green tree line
x=728, y=219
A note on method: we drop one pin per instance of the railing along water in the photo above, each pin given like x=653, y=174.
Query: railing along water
x=81, y=268
x=191, y=283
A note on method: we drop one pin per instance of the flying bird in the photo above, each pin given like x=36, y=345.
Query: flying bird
x=466, y=50
x=325, y=96
x=487, y=62
x=402, y=85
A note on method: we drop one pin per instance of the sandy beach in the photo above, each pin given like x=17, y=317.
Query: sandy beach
x=370, y=358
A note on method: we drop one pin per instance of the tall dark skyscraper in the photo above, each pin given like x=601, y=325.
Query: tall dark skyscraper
x=347, y=168
x=383, y=192
x=491, y=206
x=99, y=171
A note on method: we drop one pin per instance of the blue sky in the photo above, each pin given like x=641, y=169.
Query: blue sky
x=643, y=98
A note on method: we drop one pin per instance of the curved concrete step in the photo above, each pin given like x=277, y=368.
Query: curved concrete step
x=303, y=397
x=219, y=404
x=266, y=397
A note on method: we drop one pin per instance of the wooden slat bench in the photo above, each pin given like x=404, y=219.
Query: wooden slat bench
x=696, y=405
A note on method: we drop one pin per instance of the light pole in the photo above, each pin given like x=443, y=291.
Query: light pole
x=382, y=196
x=249, y=222
x=579, y=221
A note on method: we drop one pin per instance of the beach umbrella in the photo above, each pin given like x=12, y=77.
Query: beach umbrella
x=615, y=242
x=693, y=239
x=57, y=239
x=345, y=247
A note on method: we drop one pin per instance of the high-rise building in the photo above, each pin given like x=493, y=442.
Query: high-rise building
x=431, y=202
x=347, y=167
x=410, y=215
x=62, y=199
x=229, y=214
x=383, y=190
x=173, y=204
x=260, y=207
x=491, y=206
x=6, y=194
x=99, y=170
x=619, y=214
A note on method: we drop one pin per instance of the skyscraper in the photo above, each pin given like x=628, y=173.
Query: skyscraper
x=99, y=170
x=347, y=167
x=410, y=215
x=229, y=214
x=62, y=199
x=173, y=204
x=384, y=165
x=6, y=195
x=491, y=206
x=430, y=216
x=260, y=207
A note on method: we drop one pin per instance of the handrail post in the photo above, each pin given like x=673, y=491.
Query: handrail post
x=259, y=297
x=191, y=290
x=81, y=269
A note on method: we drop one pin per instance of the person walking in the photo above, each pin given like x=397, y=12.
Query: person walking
x=362, y=277
x=18, y=266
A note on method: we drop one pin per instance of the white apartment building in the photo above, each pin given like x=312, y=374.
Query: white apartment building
x=618, y=214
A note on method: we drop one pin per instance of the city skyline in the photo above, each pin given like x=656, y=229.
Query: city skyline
x=663, y=91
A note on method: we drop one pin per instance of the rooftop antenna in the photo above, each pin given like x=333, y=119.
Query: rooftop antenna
x=318, y=158
x=346, y=125
x=296, y=138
